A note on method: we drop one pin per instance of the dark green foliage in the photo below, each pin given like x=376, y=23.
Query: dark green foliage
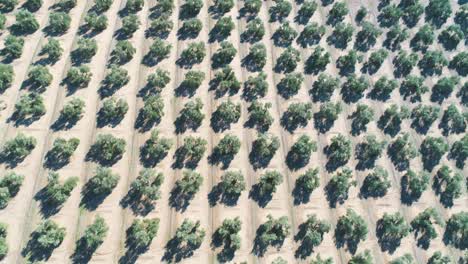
x=461, y=18
x=254, y=31
x=310, y=235
x=259, y=116
x=52, y=49
x=327, y=115
x=156, y=81
x=375, y=61
x=390, y=121
x=123, y=52
x=107, y=149
x=318, y=61
x=263, y=150
x=255, y=87
x=404, y=259
x=224, y=55
x=305, y=184
x=10, y=185
x=460, y=63
x=146, y=187
x=191, y=116
x=367, y=37
x=390, y=15
x=395, y=36
x=222, y=28
x=113, y=111
x=191, y=8
x=225, y=81
x=319, y=260
x=338, y=187
x=443, y=88
x=151, y=113
x=48, y=235
x=155, y=149
x=413, y=185
x=102, y=5
x=452, y=121
x=59, y=23
x=337, y=13
x=256, y=59
x=225, y=115
x=297, y=115
x=25, y=23
x=8, y=5
x=306, y=11
x=350, y=229
x=85, y=50
x=223, y=6
x=141, y=233
x=390, y=230
x=13, y=48
x=185, y=189
x=15, y=150
x=451, y=36
x=455, y=231
x=61, y=152
x=290, y=84
x=164, y=7
x=227, y=236
x=432, y=149
x=401, y=151
x=438, y=11
x=404, y=63
x=191, y=151
x=102, y=183
x=341, y=36
x=338, y=151
x=448, y=185
x=160, y=27
x=71, y=112
x=66, y=5
x=280, y=10
x=79, y=76
x=347, y=63
x=459, y=151
x=192, y=81
x=368, y=151
x=232, y=184
x=300, y=152
x=284, y=35
x=188, y=237
x=252, y=7
x=29, y=108
x=361, y=14
x=323, y=87
x=160, y=50
x=39, y=77
x=94, y=235
x=423, y=117
x=423, y=38
x=57, y=193
x=271, y=233
x=364, y=257
x=363, y=115
x=133, y=6
x=432, y=63
x=287, y=61
x=193, y=54
x=413, y=88
x=130, y=25
x=354, y=88
x=116, y=78
x=376, y=183
x=438, y=258
x=226, y=149
x=3, y=240
x=423, y=226
x=6, y=76
x=412, y=11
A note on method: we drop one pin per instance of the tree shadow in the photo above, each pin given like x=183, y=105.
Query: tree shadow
x=217, y=195
x=23, y=121
x=180, y=200
x=260, y=247
x=90, y=201
x=95, y=155
x=133, y=251
x=295, y=162
x=215, y=158
x=185, y=90
x=305, y=249
x=407, y=197
x=341, y=241
x=227, y=253
x=176, y=250
x=55, y=161
x=34, y=252
x=300, y=193
x=144, y=124
x=47, y=208
x=262, y=199
x=83, y=253
x=136, y=203
x=322, y=124
x=218, y=123
x=248, y=62
x=386, y=243
x=180, y=160
x=63, y=124
x=259, y=161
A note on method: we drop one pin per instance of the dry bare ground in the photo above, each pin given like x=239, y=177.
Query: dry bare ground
x=25, y=211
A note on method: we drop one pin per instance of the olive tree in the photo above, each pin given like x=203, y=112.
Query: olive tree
x=79, y=76
x=423, y=226
x=39, y=77
x=266, y=186
x=222, y=28
x=306, y=11
x=448, y=185
x=338, y=151
x=48, y=235
x=413, y=88
x=141, y=232
x=191, y=8
x=225, y=81
x=102, y=183
x=10, y=185
x=376, y=183
x=191, y=116
x=338, y=187
x=59, y=23
x=146, y=187
x=255, y=87
x=18, y=148
x=459, y=63
x=227, y=236
x=287, y=60
x=252, y=7
x=367, y=36
x=318, y=61
x=155, y=149
x=455, y=230
x=354, y=87
x=112, y=112
x=413, y=184
x=451, y=36
x=256, y=58
x=56, y=192
x=158, y=51
x=185, y=189
x=350, y=230
x=364, y=257
x=337, y=13
x=341, y=35
x=323, y=87
x=52, y=49
x=224, y=55
x=85, y=50
x=156, y=82
x=452, y=121
x=151, y=113
x=263, y=150
x=123, y=52
x=3, y=240
x=13, y=48
x=305, y=184
x=459, y=151
x=297, y=115
x=225, y=115
x=438, y=11
x=361, y=117
x=226, y=149
x=401, y=151
x=94, y=235
x=347, y=63
x=191, y=151
x=432, y=63
x=102, y=5
x=432, y=149
x=271, y=233
x=61, y=152
x=280, y=10
x=193, y=54
x=160, y=27
x=368, y=151
x=6, y=76
x=390, y=230
x=390, y=15
x=71, y=113
x=130, y=25
x=443, y=88
x=25, y=23
x=259, y=116
x=116, y=78
x=232, y=185
x=188, y=237
x=284, y=35
x=395, y=36
x=8, y=5
x=107, y=149
x=390, y=121
x=439, y=258
x=254, y=31
x=310, y=235
x=300, y=152
x=192, y=81
x=30, y=107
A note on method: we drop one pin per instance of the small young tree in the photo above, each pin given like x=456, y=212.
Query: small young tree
x=123, y=52
x=79, y=76
x=413, y=185
x=39, y=77
x=155, y=149
x=300, y=152
x=339, y=151
x=85, y=50
x=227, y=236
x=423, y=226
x=448, y=185
x=191, y=116
x=318, y=61
x=29, y=107
x=6, y=77
x=107, y=149
x=142, y=232
x=310, y=235
x=401, y=151
x=363, y=115
x=368, y=151
x=284, y=35
x=94, y=235
x=61, y=152
x=290, y=84
x=254, y=30
x=112, y=112
x=455, y=234
x=338, y=187
x=350, y=229
x=52, y=49
x=13, y=47
x=255, y=87
x=10, y=185
x=102, y=183
x=413, y=88
x=297, y=115
x=57, y=193
x=391, y=228
x=376, y=183
x=25, y=23
x=271, y=233
x=323, y=87
x=191, y=152
x=59, y=23
x=225, y=115
x=432, y=149
x=259, y=116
